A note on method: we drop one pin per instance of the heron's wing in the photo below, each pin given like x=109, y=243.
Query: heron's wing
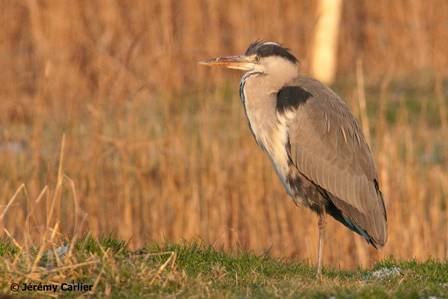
x=328, y=147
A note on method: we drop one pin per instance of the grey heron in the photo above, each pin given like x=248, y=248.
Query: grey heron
x=314, y=141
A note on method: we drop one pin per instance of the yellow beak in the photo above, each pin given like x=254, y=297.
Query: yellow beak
x=240, y=62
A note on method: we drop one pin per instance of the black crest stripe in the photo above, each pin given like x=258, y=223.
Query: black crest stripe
x=270, y=49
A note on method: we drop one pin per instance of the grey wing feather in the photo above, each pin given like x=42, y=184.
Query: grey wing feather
x=328, y=147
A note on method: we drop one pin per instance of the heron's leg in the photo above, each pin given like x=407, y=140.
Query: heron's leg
x=321, y=240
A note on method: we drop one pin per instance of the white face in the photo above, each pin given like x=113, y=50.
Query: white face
x=275, y=65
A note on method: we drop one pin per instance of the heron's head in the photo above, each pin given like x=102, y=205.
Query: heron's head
x=265, y=57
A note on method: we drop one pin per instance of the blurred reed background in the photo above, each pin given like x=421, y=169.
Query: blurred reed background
x=157, y=148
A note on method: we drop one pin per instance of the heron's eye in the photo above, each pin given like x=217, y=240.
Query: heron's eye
x=257, y=58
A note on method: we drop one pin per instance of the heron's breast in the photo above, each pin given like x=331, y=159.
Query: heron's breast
x=269, y=131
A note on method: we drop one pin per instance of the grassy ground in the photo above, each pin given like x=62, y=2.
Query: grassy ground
x=196, y=270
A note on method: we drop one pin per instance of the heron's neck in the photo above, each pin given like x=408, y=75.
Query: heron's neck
x=259, y=97
x=278, y=78
x=269, y=83
x=258, y=93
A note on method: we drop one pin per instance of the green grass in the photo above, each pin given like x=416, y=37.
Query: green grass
x=198, y=270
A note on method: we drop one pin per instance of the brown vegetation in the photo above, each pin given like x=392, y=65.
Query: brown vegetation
x=157, y=147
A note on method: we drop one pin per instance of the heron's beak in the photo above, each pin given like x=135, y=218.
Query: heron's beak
x=240, y=62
